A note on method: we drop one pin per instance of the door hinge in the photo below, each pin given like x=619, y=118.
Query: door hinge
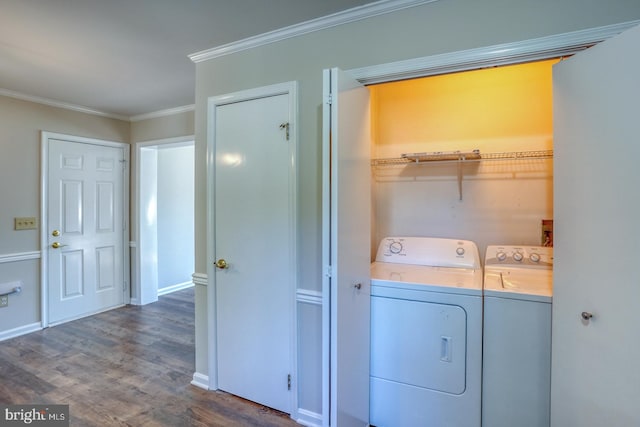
x=289, y=382
x=329, y=271
x=329, y=99
x=285, y=126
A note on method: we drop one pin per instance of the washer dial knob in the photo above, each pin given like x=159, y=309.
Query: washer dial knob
x=517, y=256
x=395, y=247
x=501, y=256
x=460, y=250
x=534, y=257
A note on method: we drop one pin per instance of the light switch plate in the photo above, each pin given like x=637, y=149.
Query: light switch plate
x=26, y=223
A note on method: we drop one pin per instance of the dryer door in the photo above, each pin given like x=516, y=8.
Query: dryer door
x=419, y=343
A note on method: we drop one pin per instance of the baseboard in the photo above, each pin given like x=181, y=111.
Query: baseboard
x=134, y=301
x=21, y=330
x=174, y=288
x=309, y=418
x=200, y=380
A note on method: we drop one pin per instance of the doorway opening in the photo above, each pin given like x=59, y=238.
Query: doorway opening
x=165, y=218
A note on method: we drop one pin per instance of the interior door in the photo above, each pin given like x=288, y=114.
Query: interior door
x=595, y=368
x=85, y=214
x=254, y=249
x=346, y=249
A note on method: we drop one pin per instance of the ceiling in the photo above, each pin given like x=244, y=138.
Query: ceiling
x=126, y=58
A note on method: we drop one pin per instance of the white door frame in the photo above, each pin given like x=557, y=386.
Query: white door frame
x=144, y=294
x=290, y=89
x=491, y=56
x=44, y=204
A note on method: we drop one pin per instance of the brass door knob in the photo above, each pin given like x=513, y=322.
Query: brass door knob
x=222, y=264
x=56, y=245
x=55, y=233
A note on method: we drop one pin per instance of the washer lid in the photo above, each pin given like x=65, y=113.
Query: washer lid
x=526, y=284
x=440, y=279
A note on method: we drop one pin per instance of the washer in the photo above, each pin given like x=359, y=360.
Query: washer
x=516, y=382
x=426, y=333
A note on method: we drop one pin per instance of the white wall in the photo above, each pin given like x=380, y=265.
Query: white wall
x=175, y=216
x=166, y=234
x=503, y=202
x=146, y=289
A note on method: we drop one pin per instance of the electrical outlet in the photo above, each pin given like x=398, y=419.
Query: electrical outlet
x=4, y=300
x=26, y=223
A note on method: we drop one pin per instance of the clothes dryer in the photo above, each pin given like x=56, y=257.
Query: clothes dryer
x=426, y=333
x=516, y=374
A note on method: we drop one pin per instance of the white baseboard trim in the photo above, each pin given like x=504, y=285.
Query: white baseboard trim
x=134, y=301
x=308, y=296
x=20, y=330
x=200, y=381
x=200, y=279
x=174, y=288
x=309, y=418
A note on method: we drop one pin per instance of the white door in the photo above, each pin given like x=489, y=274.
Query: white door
x=346, y=249
x=596, y=361
x=254, y=236
x=85, y=223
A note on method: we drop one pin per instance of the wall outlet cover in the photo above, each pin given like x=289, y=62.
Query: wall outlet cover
x=26, y=223
x=4, y=300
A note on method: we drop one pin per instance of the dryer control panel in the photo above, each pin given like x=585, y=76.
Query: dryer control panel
x=430, y=251
x=519, y=256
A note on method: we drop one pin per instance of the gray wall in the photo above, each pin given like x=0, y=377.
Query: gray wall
x=442, y=26
x=21, y=123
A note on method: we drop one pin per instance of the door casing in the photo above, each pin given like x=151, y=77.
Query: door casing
x=44, y=200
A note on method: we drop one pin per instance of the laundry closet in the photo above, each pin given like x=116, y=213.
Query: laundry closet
x=466, y=157
x=497, y=189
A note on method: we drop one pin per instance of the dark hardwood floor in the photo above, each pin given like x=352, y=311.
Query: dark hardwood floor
x=126, y=367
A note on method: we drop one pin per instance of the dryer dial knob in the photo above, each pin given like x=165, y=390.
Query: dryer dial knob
x=517, y=256
x=460, y=251
x=501, y=256
x=534, y=257
x=395, y=247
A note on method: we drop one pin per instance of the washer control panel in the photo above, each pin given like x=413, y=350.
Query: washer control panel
x=513, y=256
x=430, y=251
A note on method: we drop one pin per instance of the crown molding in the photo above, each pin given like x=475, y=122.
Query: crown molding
x=163, y=113
x=547, y=47
x=86, y=110
x=355, y=14
x=58, y=104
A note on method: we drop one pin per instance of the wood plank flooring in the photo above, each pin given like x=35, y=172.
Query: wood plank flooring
x=126, y=367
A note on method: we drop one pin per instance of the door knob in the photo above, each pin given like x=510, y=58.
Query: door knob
x=56, y=245
x=586, y=316
x=222, y=264
x=55, y=233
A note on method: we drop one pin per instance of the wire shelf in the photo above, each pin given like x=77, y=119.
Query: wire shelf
x=460, y=156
